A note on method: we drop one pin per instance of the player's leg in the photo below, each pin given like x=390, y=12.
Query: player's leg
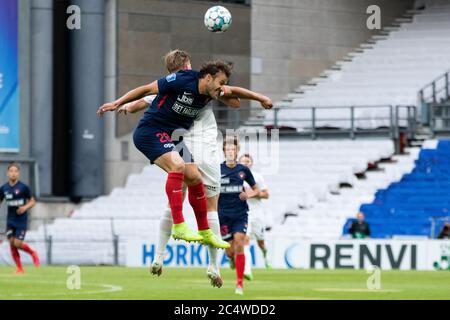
x=239, y=242
x=14, y=251
x=248, y=258
x=197, y=199
x=213, y=271
x=262, y=246
x=20, y=244
x=173, y=164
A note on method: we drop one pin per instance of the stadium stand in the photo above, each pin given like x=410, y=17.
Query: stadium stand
x=406, y=207
x=390, y=70
x=316, y=187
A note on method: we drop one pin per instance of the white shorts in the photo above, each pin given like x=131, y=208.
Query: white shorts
x=201, y=140
x=256, y=228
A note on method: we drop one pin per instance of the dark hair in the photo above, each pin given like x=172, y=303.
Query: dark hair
x=231, y=140
x=215, y=66
x=175, y=59
x=13, y=164
x=246, y=155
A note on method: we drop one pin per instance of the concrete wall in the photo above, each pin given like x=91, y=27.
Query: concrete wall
x=295, y=40
x=146, y=30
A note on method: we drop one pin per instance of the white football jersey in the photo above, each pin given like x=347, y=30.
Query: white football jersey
x=255, y=205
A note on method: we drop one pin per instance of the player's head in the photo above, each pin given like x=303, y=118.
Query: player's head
x=176, y=60
x=213, y=75
x=231, y=149
x=246, y=160
x=13, y=171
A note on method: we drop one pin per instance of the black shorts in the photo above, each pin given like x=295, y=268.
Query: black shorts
x=16, y=232
x=230, y=224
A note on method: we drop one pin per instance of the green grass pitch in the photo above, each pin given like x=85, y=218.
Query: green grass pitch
x=191, y=284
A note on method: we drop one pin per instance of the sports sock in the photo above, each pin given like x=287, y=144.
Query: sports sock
x=248, y=260
x=213, y=222
x=26, y=248
x=240, y=265
x=264, y=251
x=174, y=192
x=197, y=199
x=16, y=257
x=164, y=233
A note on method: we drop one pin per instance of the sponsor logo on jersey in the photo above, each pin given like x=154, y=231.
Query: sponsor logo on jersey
x=186, y=98
x=15, y=203
x=169, y=145
x=171, y=77
x=231, y=189
x=225, y=180
x=185, y=110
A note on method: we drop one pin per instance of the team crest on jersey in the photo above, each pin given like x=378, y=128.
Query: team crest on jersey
x=17, y=191
x=171, y=77
x=242, y=175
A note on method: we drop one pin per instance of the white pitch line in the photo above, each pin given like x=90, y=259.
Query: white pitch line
x=109, y=288
x=355, y=290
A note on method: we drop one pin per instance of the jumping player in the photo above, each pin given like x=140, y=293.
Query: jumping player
x=201, y=139
x=19, y=200
x=180, y=98
x=233, y=208
x=256, y=223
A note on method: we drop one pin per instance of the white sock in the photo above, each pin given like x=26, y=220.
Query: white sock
x=165, y=231
x=214, y=225
x=248, y=260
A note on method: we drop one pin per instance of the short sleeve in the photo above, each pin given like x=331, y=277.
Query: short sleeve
x=261, y=183
x=27, y=193
x=168, y=84
x=249, y=177
x=149, y=99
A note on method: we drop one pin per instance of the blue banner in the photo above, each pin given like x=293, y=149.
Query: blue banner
x=9, y=77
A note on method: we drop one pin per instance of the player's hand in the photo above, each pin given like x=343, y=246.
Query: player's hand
x=21, y=210
x=225, y=91
x=266, y=103
x=106, y=107
x=122, y=109
x=243, y=196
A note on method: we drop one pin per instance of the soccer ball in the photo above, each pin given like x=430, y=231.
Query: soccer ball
x=218, y=19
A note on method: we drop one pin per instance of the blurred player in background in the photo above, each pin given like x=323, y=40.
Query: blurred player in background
x=233, y=208
x=19, y=200
x=256, y=216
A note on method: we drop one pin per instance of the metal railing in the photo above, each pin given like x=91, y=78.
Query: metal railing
x=439, y=115
x=438, y=89
x=437, y=222
x=436, y=92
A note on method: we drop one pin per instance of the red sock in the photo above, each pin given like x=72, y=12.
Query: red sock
x=16, y=257
x=197, y=199
x=174, y=190
x=26, y=248
x=240, y=265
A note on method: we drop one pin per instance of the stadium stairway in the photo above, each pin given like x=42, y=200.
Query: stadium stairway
x=389, y=70
x=406, y=207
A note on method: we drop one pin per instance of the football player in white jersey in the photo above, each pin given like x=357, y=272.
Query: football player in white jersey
x=256, y=218
x=201, y=141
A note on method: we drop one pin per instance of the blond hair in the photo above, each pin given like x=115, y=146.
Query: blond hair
x=176, y=59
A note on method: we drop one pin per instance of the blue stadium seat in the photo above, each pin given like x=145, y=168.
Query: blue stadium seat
x=407, y=207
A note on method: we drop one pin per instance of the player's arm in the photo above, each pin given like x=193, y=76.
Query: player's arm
x=254, y=191
x=133, y=107
x=242, y=93
x=132, y=95
x=30, y=204
x=263, y=194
